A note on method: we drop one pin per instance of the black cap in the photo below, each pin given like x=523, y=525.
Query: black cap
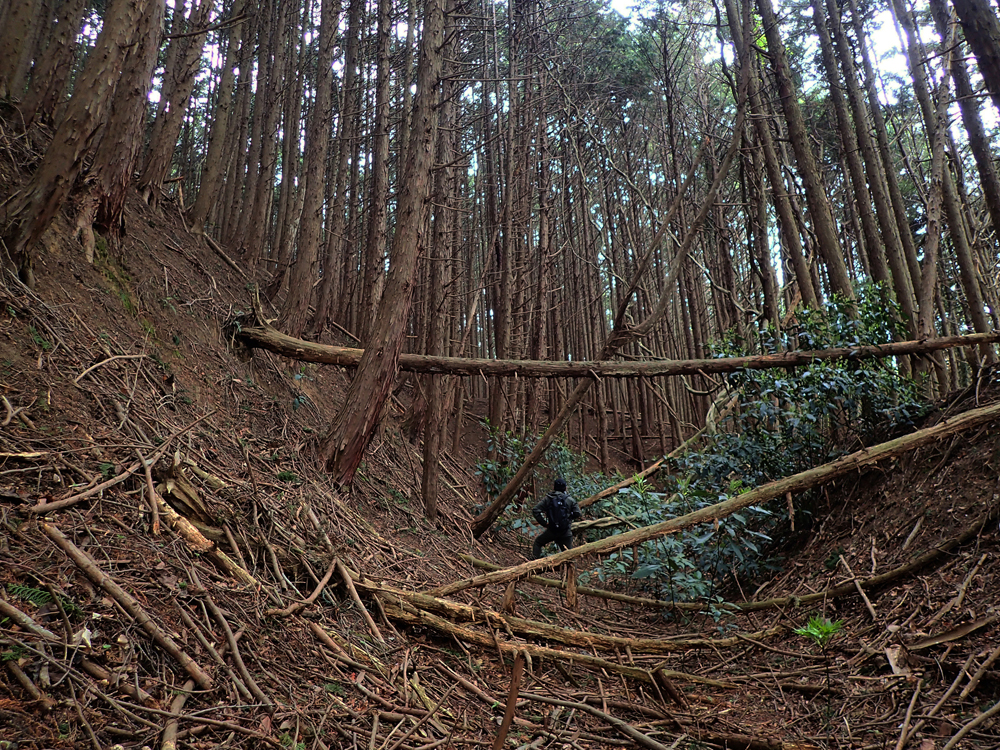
x=560, y=485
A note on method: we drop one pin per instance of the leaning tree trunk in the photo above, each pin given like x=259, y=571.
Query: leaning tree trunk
x=862, y=196
x=956, y=223
x=969, y=106
x=102, y=205
x=25, y=219
x=782, y=205
x=343, y=446
x=982, y=31
x=48, y=79
x=878, y=184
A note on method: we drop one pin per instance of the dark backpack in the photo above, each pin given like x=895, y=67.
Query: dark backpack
x=558, y=511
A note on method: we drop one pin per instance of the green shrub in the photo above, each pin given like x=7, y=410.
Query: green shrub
x=784, y=422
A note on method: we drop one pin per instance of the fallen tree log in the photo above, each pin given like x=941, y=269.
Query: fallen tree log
x=411, y=615
x=835, y=592
x=554, y=633
x=258, y=334
x=796, y=483
x=615, y=596
x=648, y=471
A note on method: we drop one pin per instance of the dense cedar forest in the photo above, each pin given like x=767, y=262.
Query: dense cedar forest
x=541, y=181
x=729, y=268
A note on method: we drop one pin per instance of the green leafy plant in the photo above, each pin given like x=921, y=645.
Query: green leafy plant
x=821, y=631
x=38, y=339
x=13, y=654
x=784, y=422
x=506, y=452
x=40, y=597
x=288, y=476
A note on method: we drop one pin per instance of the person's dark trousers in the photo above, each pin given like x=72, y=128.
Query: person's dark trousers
x=564, y=540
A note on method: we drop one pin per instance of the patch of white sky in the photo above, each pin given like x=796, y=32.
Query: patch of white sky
x=884, y=40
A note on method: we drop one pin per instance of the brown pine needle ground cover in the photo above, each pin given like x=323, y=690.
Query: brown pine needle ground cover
x=229, y=597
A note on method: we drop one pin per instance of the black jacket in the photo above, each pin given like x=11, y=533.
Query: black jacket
x=541, y=511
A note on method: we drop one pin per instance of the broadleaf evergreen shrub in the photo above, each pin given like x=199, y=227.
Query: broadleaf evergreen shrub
x=784, y=422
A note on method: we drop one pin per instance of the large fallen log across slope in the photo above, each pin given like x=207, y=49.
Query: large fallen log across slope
x=259, y=334
x=796, y=483
x=407, y=613
x=458, y=612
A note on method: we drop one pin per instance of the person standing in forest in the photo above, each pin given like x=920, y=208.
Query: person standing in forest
x=556, y=512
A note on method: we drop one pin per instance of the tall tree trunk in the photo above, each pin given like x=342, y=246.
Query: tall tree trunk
x=376, y=242
x=51, y=72
x=168, y=123
x=289, y=208
x=969, y=106
x=295, y=312
x=25, y=218
x=343, y=446
x=16, y=42
x=216, y=158
x=103, y=204
x=819, y=206
x=257, y=233
x=879, y=268
x=982, y=31
x=889, y=171
x=441, y=247
x=894, y=237
x=787, y=225
x=934, y=122
x=332, y=291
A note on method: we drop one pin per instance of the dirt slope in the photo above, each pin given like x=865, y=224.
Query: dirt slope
x=127, y=358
